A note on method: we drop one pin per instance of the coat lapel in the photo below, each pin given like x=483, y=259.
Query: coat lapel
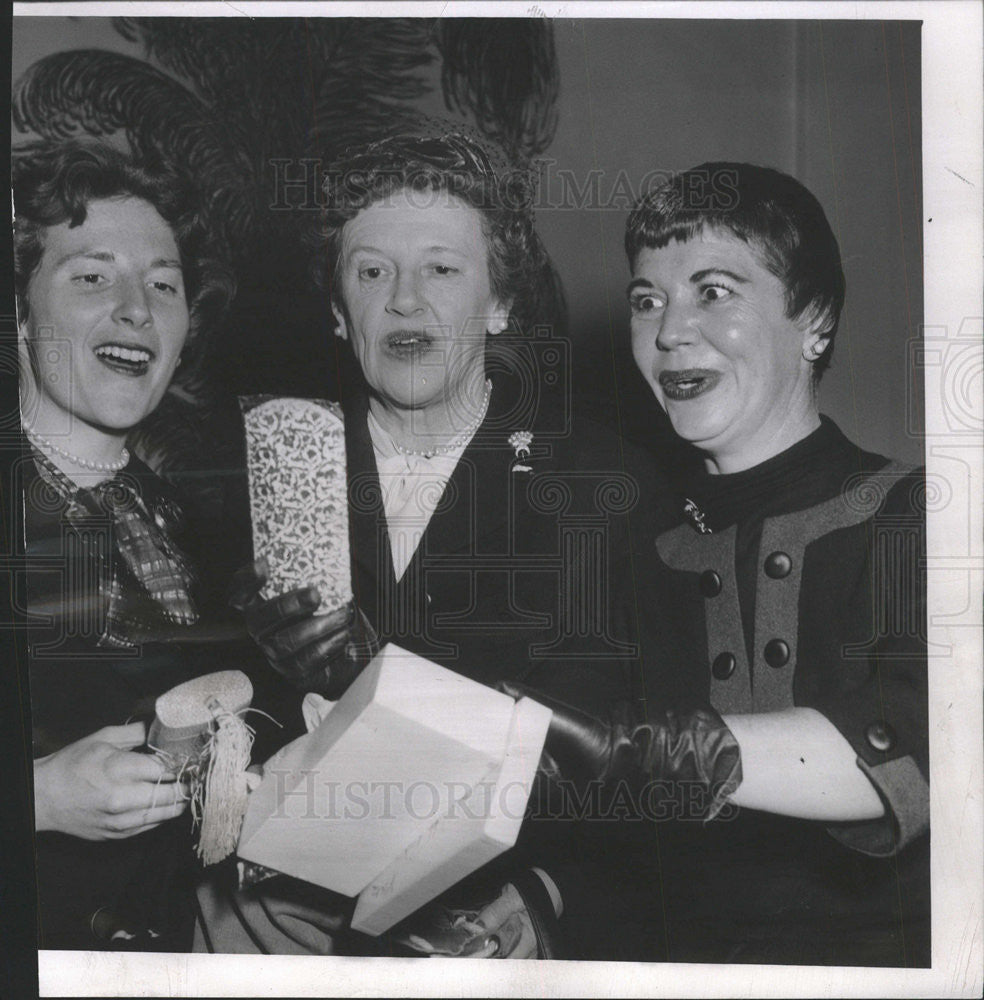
x=475, y=503
x=371, y=561
x=475, y=508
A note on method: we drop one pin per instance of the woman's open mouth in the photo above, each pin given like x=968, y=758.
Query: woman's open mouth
x=688, y=382
x=408, y=343
x=126, y=360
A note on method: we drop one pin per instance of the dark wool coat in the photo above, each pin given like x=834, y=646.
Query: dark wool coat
x=78, y=687
x=531, y=576
x=809, y=591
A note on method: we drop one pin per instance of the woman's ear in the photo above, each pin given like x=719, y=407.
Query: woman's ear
x=814, y=347
x=341, y=330
x=499, y=319
x=815, y=326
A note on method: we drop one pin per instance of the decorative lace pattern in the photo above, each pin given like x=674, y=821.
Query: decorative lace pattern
x=298, y=497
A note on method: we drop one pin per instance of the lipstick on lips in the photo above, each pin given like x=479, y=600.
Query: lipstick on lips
x=687, y=383
x=408, y=343
x=126, y=359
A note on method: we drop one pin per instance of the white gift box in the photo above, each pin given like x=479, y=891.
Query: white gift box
x=389, y=790
x=475, y=830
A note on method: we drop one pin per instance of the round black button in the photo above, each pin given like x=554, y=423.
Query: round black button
x=723, y=666
x=778, y=565
x=776, y=653
x=710, y=583
x=881, y=736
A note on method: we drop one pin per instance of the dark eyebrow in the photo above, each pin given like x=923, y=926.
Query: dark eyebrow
x=637, y=283
x=699, y=276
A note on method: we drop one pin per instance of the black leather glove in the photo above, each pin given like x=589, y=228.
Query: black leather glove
x=669, y=745
x=320, y=653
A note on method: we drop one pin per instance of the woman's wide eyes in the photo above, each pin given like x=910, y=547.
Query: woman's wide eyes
x=645, y=303
x=714, y=293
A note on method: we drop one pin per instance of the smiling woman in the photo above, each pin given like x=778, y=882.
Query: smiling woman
x=113, y=280
x=116, y=273
x=111, y=290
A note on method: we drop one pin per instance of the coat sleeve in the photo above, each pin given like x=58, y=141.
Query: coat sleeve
x=878, y=696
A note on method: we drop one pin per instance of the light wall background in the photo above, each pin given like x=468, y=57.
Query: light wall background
x=835, y=103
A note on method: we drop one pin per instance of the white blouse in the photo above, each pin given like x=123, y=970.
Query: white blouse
x=412, y=487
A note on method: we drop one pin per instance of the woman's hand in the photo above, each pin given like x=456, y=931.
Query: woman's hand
x=519, y=923
x=321, y=653
x=98, y=788
x=508, y=927
x=691, y=747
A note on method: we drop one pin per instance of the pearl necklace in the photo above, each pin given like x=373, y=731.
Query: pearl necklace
x=458, y=440
x=85, y=463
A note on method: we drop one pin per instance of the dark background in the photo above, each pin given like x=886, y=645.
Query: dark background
x=835, y=103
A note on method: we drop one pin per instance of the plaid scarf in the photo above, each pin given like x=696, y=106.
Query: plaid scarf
x=144, y=581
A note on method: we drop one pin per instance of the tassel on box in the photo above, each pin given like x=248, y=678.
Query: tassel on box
x=199, y=730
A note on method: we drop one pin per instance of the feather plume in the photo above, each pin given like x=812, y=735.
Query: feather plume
x=503, y=71
x=295, y=86
x=101, y=93
x=228, y=96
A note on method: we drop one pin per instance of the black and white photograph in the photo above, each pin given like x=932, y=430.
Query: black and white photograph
x=496, y=482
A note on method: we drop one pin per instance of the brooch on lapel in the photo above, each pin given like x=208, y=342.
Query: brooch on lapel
x=696, y=516
x=521, y=441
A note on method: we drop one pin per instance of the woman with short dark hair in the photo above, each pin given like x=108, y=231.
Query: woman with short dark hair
x=764, y=208
x=790, y=674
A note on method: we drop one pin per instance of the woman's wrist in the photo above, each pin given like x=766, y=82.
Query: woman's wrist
x=42, y=806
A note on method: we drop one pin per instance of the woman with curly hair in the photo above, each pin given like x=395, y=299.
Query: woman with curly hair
x=116, y=279
x=485, y=515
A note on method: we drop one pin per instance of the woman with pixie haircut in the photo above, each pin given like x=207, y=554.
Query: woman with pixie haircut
x=790, y=679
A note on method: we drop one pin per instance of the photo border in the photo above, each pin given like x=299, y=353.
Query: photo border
x=952, y=184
